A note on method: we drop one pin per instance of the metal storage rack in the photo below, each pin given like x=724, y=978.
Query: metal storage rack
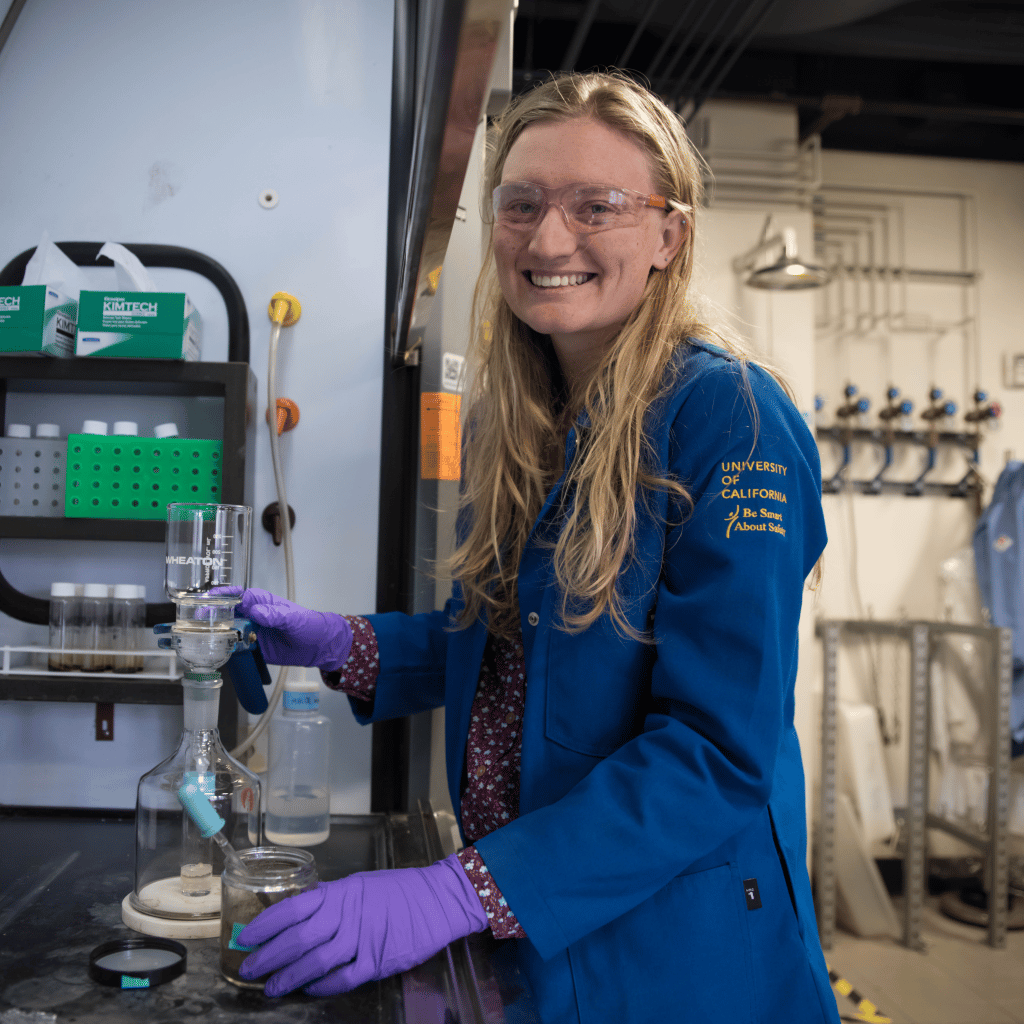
x=992, y=843
x=232, y=382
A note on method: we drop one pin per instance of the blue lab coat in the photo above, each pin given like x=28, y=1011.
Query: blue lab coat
x=659, y=780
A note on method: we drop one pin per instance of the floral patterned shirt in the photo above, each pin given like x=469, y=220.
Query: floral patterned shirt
x=490, y=798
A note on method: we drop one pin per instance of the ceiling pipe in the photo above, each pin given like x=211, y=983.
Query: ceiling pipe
x=644, y=21
x=695, y=62
x=670, y=38
x=699, y=101
x=579, y=37
x=883, y=108
x=685, y=45
x=7, y=26
x=725, y=17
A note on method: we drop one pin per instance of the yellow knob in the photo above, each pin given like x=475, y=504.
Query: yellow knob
x=284, y=309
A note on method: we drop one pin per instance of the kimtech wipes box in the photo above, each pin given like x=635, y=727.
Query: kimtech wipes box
x=138, y=325
x=37, y=318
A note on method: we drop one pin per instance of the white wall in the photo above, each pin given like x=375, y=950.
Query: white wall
x=884, y=552
x=162, y=123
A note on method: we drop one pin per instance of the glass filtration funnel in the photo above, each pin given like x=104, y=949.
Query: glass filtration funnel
x=207, y=551
x=177, y=890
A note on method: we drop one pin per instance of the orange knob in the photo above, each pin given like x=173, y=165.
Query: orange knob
x=287, y=415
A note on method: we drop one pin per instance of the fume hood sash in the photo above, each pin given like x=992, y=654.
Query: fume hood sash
x=462, y=40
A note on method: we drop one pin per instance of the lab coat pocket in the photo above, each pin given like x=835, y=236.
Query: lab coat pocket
x=596, y=690
x=682, y=955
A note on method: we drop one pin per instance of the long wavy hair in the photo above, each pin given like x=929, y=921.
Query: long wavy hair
x=519, y=413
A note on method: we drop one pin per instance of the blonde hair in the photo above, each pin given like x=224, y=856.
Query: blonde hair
x=516, y=430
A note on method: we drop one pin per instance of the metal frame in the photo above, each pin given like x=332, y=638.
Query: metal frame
x=992, y=843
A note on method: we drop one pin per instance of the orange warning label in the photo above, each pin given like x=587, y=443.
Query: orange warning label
x=440, y=435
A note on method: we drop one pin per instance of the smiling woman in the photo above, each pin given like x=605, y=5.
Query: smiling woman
x=640, y=510
x=579, y=285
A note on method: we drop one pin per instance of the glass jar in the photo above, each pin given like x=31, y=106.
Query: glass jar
x=65, y=612
x=273, y=873
x=97, y=634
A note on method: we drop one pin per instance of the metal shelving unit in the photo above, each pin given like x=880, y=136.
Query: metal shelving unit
x=992, y=843
x=235, y=385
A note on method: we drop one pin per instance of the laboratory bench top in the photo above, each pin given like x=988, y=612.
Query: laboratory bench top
x=63, y=875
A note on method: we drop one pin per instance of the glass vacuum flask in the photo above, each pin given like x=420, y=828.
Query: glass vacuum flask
x=177, y=890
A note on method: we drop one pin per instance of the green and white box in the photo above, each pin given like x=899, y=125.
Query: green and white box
x=138, y=325
x=37, y=318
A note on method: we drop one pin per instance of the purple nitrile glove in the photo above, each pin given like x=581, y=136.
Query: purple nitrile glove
x=369, y=925
x=292, y=635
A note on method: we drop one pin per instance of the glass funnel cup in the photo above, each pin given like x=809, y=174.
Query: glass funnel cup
x=207, y=550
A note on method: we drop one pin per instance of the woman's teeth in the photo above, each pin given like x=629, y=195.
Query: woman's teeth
x=543, y=281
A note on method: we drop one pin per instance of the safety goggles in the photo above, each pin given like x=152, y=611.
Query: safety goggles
x=521, y=205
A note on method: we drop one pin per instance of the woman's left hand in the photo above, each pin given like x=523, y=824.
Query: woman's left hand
x=369, y=925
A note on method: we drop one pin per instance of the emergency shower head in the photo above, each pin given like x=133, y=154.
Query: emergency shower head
x=788, y=273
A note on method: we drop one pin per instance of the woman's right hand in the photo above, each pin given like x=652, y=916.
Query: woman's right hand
x=292, y=635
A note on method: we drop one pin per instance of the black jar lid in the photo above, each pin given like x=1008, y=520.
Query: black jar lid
x=137, y=963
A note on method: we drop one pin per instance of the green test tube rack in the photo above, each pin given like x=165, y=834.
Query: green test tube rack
x=125, y=477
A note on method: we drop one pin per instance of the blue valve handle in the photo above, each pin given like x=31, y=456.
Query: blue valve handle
x=249, y=674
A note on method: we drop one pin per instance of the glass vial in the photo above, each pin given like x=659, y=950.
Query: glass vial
x=96, y=628
x=123, y=631
x=64, y=613
x=271, y=875
x=298, y=778
x=138, y=626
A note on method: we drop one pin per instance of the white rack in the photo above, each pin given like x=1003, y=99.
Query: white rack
x=169, y=672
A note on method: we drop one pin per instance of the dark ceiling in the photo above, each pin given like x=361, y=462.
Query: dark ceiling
x=930, y=77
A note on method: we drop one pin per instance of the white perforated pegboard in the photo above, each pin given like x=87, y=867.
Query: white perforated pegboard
x=32, y=478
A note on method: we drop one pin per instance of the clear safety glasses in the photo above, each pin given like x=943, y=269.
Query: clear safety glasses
x=521, y=205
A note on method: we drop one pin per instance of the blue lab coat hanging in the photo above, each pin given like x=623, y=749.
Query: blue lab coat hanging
x=1000, y=573
x=658, y=861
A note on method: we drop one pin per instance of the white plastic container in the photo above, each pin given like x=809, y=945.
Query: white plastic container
x=19, y=430
x=94, y=427
x=862, y=772
x=126, y=428
x=298, y=779
x=47, y=430
x=163, y=430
